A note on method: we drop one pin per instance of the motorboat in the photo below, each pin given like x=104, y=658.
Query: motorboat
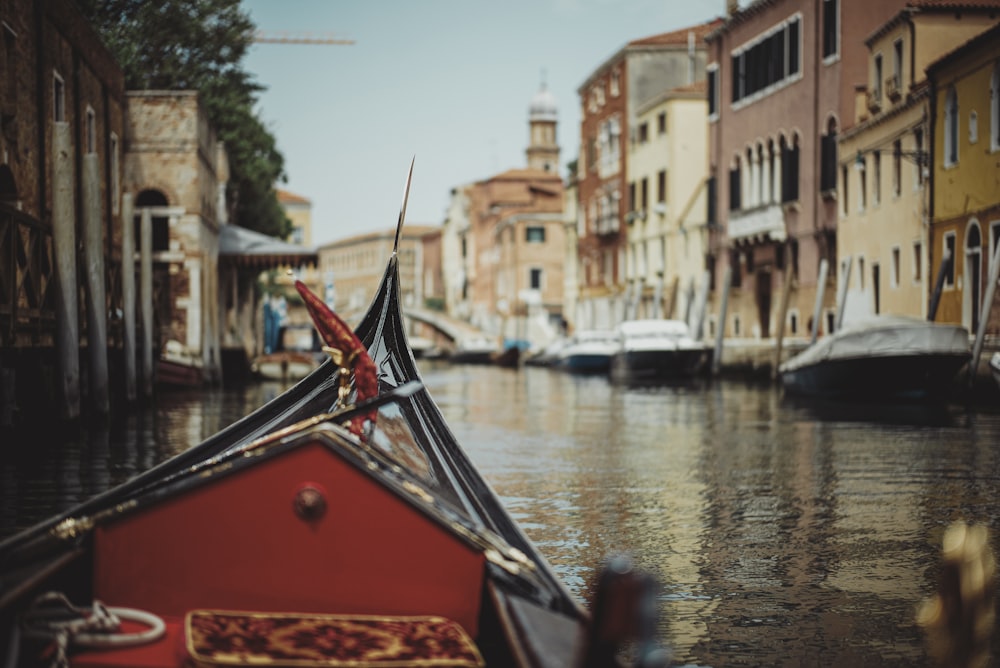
x=549, y=355
x=589, y=351
x=881, y=357
x=656, y=350
x=474, y=350
x=340, y=524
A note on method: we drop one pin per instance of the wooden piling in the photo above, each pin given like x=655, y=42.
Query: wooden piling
x=128, y=294
x=727, y=283
x=786, y=297
x=64, y=250
x=845, y=280
x=97, y=310
x=946, y=260
x=984, y=314
x=824, y=267
x=146, y=299
x=701, y=305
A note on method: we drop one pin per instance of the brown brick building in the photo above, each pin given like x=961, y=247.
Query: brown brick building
x=610, y=99
x=61, y=136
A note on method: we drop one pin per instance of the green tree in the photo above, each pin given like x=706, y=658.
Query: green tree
x=199, y=45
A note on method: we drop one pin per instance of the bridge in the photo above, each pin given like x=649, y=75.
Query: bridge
x=453, y=329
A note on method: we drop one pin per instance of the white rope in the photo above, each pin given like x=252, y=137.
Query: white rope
x=51, y=616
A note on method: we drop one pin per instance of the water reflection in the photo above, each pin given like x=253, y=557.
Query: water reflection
x=782, y=532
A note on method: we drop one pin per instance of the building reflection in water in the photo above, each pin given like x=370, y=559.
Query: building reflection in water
x=782, y=532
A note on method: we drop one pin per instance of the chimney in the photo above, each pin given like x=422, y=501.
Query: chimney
x=732, y=7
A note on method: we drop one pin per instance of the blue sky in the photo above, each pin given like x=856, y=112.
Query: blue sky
x=446, y=81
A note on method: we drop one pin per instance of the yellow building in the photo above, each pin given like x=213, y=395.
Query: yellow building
x=965, y=121
x=356, y=265
x=883, y=196
x=667, y=170
x=298, y=209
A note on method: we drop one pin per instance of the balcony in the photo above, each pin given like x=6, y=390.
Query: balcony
x=606, y=225
x=875, y=100
x=892, y=89
x=762, y=223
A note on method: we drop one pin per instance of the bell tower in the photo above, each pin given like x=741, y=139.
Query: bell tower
x=542, y=151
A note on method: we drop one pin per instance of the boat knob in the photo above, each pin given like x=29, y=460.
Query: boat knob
x=310, y=502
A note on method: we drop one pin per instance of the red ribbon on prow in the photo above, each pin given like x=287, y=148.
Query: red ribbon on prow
x=337, y=334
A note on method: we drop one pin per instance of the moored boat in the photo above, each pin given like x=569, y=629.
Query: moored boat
x=883, y=357
x=474, y=350
x=285, y=365
x=178, y=368
x=339, y=524
x=656, y=350
x=588, y=352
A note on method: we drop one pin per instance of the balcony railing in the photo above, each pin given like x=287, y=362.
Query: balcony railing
x=875, y=100
x=892, y=89
x=767, y=222
x=26, y=274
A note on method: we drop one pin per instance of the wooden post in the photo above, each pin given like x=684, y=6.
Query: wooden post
x=97, y=310
x=786, y=296
x=146, y=299
x=701, y=305
x=824, y=267
x=723, y=309
x=128, y=293
x=984, y=313
x=943, y=270
x=845, y=280
x=67, y=310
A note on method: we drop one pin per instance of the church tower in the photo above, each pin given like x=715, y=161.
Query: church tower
x=542, y=151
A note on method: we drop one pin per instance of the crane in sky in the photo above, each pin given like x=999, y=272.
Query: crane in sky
x=289, y=37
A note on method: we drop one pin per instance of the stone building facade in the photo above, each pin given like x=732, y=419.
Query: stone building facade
x=781, y=78
x=884, y=162
x=178, y=170
x=356, y=265
x=610, y=99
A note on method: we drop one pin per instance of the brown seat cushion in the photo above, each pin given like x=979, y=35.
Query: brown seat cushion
x=225, y=638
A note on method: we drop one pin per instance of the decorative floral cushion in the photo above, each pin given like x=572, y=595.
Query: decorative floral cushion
x=220, y=638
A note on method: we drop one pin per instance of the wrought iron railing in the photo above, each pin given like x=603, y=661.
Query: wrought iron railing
x=27, y=272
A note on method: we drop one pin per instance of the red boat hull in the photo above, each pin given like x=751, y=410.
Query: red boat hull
x=238, y=544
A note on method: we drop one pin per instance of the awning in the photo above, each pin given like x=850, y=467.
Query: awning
x=247, y=248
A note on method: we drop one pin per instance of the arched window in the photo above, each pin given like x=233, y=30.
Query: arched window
x=828, y=157
x=950, y=127
x=973, y=272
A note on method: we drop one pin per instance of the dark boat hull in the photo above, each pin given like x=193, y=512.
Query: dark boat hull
x=889, y=377
x=584, y=364
x=653, y=366
x=170, y=373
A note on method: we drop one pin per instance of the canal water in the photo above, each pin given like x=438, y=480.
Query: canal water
x=781, y=532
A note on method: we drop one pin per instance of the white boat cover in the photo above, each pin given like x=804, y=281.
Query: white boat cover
x=884, y=336
x=656, y=334
x=590, y=342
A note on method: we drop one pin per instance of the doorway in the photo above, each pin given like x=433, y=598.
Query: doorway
x=973, y=276
x=764, y=302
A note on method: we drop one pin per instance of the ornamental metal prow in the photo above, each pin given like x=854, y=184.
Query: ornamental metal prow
x=402, y=208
